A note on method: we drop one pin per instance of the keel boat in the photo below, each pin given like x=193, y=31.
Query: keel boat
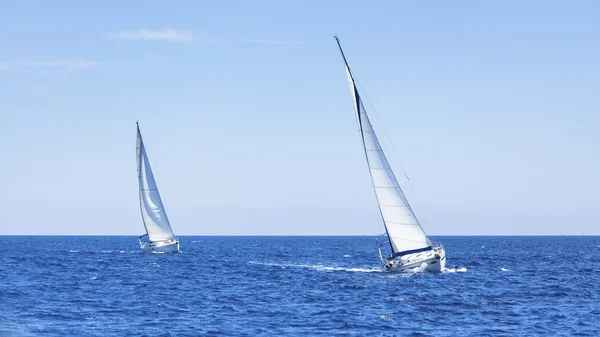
x=160, y=236
x=409, y=245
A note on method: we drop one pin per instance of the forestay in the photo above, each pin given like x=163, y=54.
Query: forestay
x=403, y=229
x=153, y=213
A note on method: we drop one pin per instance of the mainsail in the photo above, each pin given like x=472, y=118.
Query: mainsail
x=403, y=229
x=153, y=213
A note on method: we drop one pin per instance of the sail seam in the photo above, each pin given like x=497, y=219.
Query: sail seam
x=401, y=224
x=409, y=240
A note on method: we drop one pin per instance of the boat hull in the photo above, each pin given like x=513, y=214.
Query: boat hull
x=432, y=261
x=167, y=246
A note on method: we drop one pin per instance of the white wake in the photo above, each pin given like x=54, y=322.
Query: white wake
x=454, y=270
x=420, y=269
x=318, y=267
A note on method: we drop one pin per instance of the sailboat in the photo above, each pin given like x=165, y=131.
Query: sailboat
x=161, y=238
x=409, y=245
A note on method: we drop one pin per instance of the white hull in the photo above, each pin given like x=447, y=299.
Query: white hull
x=430, y=261
x=167, y=246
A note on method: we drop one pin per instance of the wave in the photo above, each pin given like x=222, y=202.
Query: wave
x=420, y=269
x=454, y=270
x=318, y=267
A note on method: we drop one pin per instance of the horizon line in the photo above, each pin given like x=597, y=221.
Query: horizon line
x=302, y=235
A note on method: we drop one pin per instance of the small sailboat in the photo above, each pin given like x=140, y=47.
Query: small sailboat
x=158, y=229
x=410, y=247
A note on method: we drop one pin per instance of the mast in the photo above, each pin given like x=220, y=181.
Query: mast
x=344, y=57
x=138, y=152
x=356, y=98
x=403, y=229
x=153, y=212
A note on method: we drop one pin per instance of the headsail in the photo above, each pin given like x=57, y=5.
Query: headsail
x=153, y=213
x=403, y=229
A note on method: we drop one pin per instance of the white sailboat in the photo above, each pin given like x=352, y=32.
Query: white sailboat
x=410, y=246
x=158, y=229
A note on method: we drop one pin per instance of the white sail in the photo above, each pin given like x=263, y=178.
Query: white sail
x=403, y=229
x=153, y=213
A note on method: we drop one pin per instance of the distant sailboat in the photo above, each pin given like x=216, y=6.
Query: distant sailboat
x=160, y=235
x=410, y=246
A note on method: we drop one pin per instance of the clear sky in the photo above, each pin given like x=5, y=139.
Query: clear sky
x=493, y=108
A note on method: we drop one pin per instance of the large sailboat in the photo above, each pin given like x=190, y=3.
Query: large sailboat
x=410, y=247
x=158, y=229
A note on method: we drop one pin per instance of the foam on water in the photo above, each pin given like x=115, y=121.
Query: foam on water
x=318, y=267
x=420, y=269
x=454, y=270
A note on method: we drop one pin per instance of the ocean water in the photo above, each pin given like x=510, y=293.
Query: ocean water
x=296, y=286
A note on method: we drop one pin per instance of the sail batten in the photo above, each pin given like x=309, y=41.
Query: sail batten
x=402, y=227
x=153, y=212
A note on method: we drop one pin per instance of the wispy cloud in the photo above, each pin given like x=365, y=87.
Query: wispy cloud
x=168, y=34
x=38, y=88
x=179, y=35
x=6, y=67
x=68, y=65
x=280, y=42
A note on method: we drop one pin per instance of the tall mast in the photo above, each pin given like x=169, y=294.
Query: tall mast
x=353, y=88
x=344, y=56
x=153, y=212
x=357, y=105
x=138, y=150
x=401, y=225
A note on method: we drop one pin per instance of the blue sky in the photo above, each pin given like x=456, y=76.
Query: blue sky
x=249, y=125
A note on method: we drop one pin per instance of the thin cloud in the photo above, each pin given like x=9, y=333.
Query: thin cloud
x=178, y=35
x=169, y=34
x=38, y=88
x=280, y=42
x=68, y=65
x=6, y=67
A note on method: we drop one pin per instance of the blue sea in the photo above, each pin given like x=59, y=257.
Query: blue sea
x=296, y=286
